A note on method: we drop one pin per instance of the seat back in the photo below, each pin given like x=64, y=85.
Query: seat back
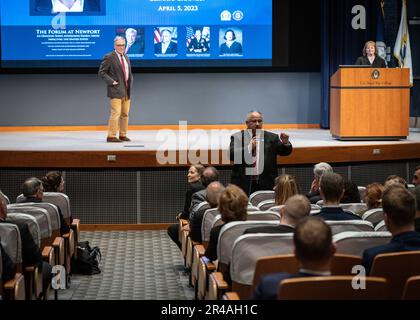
x=11, y=241
x=374, y=215
x=349, y=225
x=331, y=288
x=276, y=208
x=251, y=208
x=42, y=217
x=412, y=289
x=230, y=232
x=258, y=196
x=197, y=219
x=362, y=191
x=61, y=200
x=357, y=208
x=396, y=267
x=263, y=215
x=207, y=223
x=355, y=243
x=248, y=248
x=52, y=211
x=4, y=197
x=381, y=226
x=266, y=204
x=30, y=221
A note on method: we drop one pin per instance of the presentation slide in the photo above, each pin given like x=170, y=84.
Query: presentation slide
x=158, y=33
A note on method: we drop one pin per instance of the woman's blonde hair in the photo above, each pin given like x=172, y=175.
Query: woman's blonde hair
x=285, y=187
x=373, y=43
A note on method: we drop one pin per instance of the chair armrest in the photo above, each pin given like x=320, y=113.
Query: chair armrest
x=231, y=296
x=48, y=255
x=14, y=289
x=59, y=250
x=220, y=282
x=217, y=285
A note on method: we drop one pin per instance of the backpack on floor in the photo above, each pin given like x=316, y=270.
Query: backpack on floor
x=87, y=261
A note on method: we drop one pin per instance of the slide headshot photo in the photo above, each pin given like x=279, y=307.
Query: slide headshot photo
x=198, y=39
x=165, y=40
x=230, y=41
x=80, y=7
x=134, y=39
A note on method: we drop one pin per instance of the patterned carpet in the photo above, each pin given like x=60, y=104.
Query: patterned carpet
x=136, y=265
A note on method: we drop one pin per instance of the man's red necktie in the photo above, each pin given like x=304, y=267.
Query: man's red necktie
x=123, y=67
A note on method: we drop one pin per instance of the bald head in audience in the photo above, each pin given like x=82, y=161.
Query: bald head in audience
x=314, y=248
x=214, y=190
x=32, y=187
x=399, y=207
x=209, y=175
x=331, y=188
x=295, y=209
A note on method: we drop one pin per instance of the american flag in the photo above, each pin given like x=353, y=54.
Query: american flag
x=190, y=35
x=156, y=35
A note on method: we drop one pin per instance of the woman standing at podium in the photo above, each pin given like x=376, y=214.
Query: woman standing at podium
x=370, y=56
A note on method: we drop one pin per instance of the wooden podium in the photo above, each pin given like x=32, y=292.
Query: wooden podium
x=370, y=103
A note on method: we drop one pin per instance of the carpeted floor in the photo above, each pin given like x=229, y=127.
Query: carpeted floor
x=136, y=265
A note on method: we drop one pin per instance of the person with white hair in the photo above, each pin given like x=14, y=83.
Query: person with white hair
x=319, y=169
x=134, y=45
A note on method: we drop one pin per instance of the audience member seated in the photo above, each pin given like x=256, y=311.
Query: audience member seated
x=314, y=251
x=416, y=176
x=351, y=193
x=295, y=209
x=210, y=174
x=33, y=191
x=285, y=186
x=53, y=181
x=393, y=179
x=233, y=203
x=8, y=267
x=373, y=195
x=331, y=188
x=213, y=193
x=416, y=193
x=319, y=170
x=194, y=185
x=399, y=208
x=31, y=254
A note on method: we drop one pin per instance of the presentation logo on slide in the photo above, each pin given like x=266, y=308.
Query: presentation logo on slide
x=238, y=15
x=225, y=16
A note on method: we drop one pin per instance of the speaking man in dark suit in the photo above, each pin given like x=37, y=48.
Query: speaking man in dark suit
x=254, y=153
x=399, y=207
x=115, y=70
x=55, y=6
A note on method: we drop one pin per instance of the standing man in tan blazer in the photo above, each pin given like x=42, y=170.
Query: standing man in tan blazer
x=115, y=70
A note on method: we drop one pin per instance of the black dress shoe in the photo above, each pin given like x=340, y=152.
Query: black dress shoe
x=124, y=138
x=113, y=139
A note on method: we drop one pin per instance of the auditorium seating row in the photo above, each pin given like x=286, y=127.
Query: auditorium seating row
x=44, y=224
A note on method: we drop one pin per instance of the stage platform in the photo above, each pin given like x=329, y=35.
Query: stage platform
x=88, y=148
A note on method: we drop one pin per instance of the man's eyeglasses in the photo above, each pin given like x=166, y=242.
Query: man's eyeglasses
x=120, y=45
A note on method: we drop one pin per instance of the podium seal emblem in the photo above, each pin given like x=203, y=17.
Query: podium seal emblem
x=376, y=74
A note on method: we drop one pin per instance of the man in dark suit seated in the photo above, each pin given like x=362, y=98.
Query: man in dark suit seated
x=31, y=254
x=55, y=6
x=295, y=209
x=8, y=267
x=214, y=190
x=314, y=251
x=399, y=208
x=332, y=190
x=33, y=191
